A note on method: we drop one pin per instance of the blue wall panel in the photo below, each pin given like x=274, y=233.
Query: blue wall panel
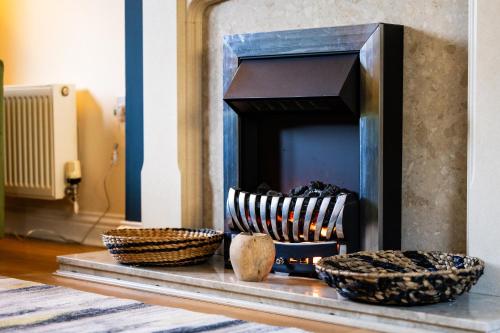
x=134, y=136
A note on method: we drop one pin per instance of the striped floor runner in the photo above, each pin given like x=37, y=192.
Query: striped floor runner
x=32, y=307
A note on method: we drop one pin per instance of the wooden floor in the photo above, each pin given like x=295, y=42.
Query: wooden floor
x=35, y=260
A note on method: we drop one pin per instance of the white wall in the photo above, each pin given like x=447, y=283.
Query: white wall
x=484, y=142
x=161, y=183
x=80, y=42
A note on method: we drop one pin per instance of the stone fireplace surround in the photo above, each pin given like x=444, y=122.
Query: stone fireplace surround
x=434, y=101
x=435, y=111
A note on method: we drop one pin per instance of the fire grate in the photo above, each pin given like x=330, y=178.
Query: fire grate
x=288, y=219
x=304, y=228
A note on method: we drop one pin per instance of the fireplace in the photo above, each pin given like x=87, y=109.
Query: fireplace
x=317, y=104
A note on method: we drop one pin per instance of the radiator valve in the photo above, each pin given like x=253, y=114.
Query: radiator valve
x=73, y=175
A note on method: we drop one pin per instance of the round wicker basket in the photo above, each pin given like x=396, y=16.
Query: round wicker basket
x=162, y=247
x=401, y=278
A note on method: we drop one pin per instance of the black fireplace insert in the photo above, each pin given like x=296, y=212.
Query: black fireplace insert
x=317, y=104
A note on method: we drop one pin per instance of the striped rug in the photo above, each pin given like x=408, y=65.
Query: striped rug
x=32, y=307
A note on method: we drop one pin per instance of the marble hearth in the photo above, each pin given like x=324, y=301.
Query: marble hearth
x=291, y=296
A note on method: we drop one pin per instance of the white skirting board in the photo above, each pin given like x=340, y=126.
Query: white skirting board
x=50, y=223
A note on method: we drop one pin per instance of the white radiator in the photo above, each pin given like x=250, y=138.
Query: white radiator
x=40, y=137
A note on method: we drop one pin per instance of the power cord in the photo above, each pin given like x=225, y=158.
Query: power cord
x=114, y=161
x=108, y=204
x=47, y=231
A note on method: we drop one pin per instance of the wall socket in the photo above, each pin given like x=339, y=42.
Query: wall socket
x=114, y=155
x=119, y=109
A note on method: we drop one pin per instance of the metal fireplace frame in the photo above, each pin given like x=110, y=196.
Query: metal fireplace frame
x=380, y=48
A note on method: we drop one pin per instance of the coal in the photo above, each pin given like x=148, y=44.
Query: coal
x=263, y=188
x=313, y=189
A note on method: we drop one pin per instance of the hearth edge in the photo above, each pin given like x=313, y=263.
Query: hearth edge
x=245, y=295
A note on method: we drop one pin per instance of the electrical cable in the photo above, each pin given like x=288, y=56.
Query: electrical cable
x=114, y=160
x=103, y=214
x=47, y=231
x=108, y=204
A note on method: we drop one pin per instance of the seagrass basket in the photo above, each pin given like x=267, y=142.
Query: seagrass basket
x=162, y=247
x=400, y=278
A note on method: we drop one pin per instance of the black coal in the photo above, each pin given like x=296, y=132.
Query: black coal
x=314, y=189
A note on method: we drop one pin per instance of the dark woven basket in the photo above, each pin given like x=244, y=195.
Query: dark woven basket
x=401, y=278
x=162, y=247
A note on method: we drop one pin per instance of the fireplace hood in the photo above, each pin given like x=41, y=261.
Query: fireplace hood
x=324, y=83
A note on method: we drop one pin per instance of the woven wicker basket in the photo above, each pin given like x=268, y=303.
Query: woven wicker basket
x=402, y=278
x=162, y=247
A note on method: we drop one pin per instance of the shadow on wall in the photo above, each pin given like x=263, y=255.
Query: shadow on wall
x=209, y=149
x=96, y=156
x=434, y=142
